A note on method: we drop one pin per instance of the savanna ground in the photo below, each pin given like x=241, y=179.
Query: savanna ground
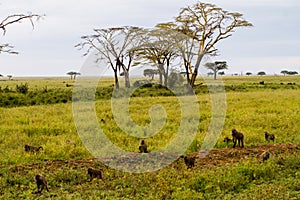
x=42, y=115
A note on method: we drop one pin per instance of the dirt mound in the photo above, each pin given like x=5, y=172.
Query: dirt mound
x=227, y=156
x=215, y=157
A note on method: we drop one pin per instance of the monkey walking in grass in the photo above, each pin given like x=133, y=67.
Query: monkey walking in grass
x=41, y=183
x=32, y=149
x=237, y=137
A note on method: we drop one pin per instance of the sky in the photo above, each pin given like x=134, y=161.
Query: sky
x=271, y=45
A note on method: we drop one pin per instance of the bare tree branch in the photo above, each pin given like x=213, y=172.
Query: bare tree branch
x=6, y=48
x=115, y=45
x=12, y=19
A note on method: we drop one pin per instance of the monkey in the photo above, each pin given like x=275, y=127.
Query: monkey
x=269, y=136
x=32, y=149
x=189, y=161
x=143, y=147
x=227, y=140
x=265, y=155
x=68, y=141
x=237, y=137
x=95, y=173
x=41, y=183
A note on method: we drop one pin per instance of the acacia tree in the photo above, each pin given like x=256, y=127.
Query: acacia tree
x=116, y=46
x=216, y=66
x=12, y=19
x=204, y=26
x=292, y=73
x=284, y=72
x=261, y=73
x=221, y=73
x=151, y=73
x=158, y=50
x=73, y=74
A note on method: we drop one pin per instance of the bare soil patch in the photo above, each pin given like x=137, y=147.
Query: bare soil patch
x=215, y=157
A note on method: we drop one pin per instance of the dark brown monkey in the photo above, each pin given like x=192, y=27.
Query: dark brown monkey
x=41, y=183
x=237, y=137
x=265, y=155
x=269, y=136
x=227, y=140
x=95, y=173
x=143, y=147
x=32, y=149
x=189, y=161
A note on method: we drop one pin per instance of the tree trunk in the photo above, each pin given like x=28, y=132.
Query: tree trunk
x=186, y=65
x=215, y=75
x=160, y=78
x=166, y=73
x=116, y=79
x=161, y=72
x=165, y=79
x=193, y=78
x=127, y=80
x=195, y=73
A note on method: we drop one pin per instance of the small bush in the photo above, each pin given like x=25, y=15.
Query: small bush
x=23, y=88
x=143, y=84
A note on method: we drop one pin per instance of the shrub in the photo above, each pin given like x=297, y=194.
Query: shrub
x=23, y=88
x=142, y=83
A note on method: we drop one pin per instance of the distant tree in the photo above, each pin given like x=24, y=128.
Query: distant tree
x=216, y=66
x=248, y=73
x=13, y=19
x=76, y=74
x=1, y=75
x=151, y=73
x=261, y=73
x=157, y=50
x=73, y=74
x=9, y=77
x=292, y=73
x=210, y=74
x=70, y=74
x=221, y=73
x=284, y=72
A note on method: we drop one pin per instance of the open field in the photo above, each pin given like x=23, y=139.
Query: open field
x=252, y=108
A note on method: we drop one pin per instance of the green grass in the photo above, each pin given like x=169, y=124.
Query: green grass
x=277, y=178
x=252, y=108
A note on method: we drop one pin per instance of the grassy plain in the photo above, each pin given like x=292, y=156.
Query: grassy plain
x=251, y=108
